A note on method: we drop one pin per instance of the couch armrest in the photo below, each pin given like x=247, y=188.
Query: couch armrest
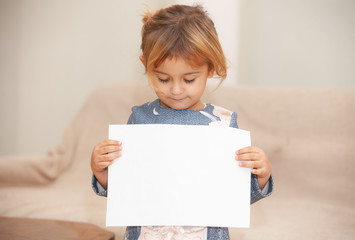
x=31, y=170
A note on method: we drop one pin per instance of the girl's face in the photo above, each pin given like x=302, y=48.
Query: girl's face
x=180, y=85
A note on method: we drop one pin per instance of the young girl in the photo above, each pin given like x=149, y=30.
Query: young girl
x=180, y=51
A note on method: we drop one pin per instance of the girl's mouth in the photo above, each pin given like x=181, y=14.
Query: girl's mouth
x=177, y=99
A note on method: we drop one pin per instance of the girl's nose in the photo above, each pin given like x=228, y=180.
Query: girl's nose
x=176, y=88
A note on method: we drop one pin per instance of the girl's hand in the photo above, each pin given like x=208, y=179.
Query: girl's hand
x=256, y=159
x=102, y=156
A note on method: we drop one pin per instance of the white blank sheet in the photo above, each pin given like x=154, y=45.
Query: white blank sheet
x=178, y=175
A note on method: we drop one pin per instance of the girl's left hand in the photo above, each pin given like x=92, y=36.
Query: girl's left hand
x=256, y=159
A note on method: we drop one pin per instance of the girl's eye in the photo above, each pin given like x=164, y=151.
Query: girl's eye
x=163, y=80
x=189, y=80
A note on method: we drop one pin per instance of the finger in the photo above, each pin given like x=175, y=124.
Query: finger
x=247, y=157
x=109, y=157
x=251, y=164
x=109, y=142
x=259, y=171
x=103, y=165
x=109, y=149
x=247, y=150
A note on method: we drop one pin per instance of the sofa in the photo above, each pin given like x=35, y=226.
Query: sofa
x=307, y=133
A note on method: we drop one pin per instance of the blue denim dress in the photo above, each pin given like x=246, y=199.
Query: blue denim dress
x=154, y=113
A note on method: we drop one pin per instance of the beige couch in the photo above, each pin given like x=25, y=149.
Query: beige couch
x=308, y=134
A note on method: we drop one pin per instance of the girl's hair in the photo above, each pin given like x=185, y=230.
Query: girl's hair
x=181, y=31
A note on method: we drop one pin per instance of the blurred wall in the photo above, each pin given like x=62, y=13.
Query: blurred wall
x=53, y=53
x=297, y=43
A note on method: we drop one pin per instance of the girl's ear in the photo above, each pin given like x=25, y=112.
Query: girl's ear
x=142, y=60
x=210, y=73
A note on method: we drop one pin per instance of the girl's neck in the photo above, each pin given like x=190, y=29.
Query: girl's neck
x=197, y=106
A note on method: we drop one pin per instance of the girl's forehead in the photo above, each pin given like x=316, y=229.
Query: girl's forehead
x=191, y=61
x=180, y=66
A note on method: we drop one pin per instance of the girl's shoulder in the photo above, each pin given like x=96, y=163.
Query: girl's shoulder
x=146, y=107
x=223, y=116
x=144, y=114
x=221, y=112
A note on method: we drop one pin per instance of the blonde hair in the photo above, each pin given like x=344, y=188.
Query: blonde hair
x=181, y=31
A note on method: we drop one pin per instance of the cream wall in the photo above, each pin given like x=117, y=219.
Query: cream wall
x=301, y=43
x=53, y=53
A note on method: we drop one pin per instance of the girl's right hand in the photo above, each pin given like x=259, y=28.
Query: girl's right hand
x=102, y=156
